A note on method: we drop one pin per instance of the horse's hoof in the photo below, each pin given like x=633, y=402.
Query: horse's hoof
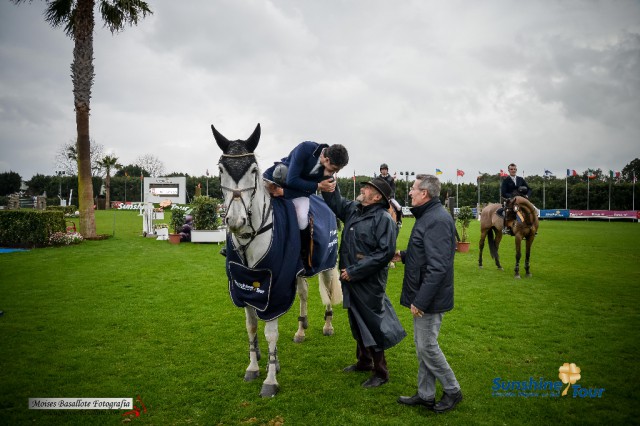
x=250, y=376
x=327, y=331
x=269, y=391
x=529, y=275
x=298, y=339
x=479, y=266
x=517, y=277
x=500, y=268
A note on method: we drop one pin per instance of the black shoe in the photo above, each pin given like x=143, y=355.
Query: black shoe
x=417, y=400
x=374, y=382
x=223, y=251
x=448, y=402
x=355, y=367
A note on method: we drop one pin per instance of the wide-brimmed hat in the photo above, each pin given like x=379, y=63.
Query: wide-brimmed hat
x=382, y=186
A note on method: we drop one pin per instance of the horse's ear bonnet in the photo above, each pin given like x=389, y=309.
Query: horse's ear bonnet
x=236, y=155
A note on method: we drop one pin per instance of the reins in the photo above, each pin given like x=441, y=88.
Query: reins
x=237, y=195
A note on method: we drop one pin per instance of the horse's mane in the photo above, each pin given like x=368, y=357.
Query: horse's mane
x=530, y=209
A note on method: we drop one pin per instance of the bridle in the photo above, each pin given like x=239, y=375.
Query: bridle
x=237, y=196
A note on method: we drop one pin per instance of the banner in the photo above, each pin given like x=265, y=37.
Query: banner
x=557, y=213
x=607, y=214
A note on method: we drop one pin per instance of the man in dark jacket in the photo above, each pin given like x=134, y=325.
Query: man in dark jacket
x=368, y=244
x=427, y=289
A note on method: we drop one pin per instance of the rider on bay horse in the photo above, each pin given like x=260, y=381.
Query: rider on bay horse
x=511, y=186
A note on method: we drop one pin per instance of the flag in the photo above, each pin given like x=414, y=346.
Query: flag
x=354, y=175
x=207, y=172
x=590, y=174
x=503, y=174
x=547, y=172
x=568, y=172
x=459, y=172
x=438, y=172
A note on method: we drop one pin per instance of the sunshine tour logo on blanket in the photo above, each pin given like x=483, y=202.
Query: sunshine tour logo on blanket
x=569, y=375
x=254, y=287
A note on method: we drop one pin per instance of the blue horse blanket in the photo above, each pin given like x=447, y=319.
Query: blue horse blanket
x=270, y=286
x=325, y=237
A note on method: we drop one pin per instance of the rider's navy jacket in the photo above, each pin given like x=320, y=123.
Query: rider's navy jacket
x=509, y=189
x=304, y=170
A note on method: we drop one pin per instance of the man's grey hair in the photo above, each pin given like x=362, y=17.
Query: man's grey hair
x=431, y=183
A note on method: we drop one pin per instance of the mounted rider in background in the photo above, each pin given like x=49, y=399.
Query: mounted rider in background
x=511, y=186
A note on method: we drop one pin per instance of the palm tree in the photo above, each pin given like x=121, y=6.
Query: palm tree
x=77, y=18
x=109, y=163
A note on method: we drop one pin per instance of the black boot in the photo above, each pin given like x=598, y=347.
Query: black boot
x=305, y=247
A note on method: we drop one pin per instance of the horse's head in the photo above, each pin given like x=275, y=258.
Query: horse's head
x=240, y=179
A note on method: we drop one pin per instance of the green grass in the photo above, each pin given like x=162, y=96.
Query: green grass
x=133, y=316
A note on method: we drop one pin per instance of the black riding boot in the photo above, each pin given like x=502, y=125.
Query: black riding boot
x=305, y=246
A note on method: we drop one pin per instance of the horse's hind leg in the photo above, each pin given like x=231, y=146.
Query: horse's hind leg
x=253, y=370
x=303, y=322
x=270, y=385
x=330, y=293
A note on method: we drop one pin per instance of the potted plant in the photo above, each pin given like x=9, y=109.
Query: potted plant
x=465, y=214
x=206, y=221
x=177, y=220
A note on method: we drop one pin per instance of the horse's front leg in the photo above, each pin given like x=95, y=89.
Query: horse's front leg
x=526, y=258
x=483, y=235
x=518, y=255
x=303, y=322
x=270, y=385
x=253, y=370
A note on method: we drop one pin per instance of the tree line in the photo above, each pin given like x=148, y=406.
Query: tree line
x=600, y=192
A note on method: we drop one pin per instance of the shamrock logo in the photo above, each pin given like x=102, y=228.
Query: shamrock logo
x=569, y=374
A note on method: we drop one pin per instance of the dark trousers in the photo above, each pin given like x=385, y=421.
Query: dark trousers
x=368, y=358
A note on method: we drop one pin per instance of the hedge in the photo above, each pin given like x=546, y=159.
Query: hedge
x=29, y=228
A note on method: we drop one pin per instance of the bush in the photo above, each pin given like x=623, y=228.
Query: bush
x=465, y=214
x=177, y=219
x=205, y=213
x=29, y=228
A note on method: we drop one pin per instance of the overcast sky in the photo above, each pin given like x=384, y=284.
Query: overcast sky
x=420, y=85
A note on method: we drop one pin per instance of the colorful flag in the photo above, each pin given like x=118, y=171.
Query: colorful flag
x=590, y=174
x=438, y=172
x=460, y=172
x=568, y=172
x=503, y=174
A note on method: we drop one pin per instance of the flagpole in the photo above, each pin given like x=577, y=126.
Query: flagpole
x=566, y=190
x=610, y=178
x=457, y=188
x=633, y=192
x=588, y=179
x=354, y=184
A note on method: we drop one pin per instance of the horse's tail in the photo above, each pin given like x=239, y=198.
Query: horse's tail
x=330, y=287
x=493, y=249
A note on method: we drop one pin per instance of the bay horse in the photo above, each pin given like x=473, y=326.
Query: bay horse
x=523, y=221
x=263, y=261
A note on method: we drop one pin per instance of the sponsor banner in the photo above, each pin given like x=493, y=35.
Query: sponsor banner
x=549, y=214
x=608, y=214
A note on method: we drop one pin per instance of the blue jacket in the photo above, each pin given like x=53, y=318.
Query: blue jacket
x=302, y=179
x=428, y=271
